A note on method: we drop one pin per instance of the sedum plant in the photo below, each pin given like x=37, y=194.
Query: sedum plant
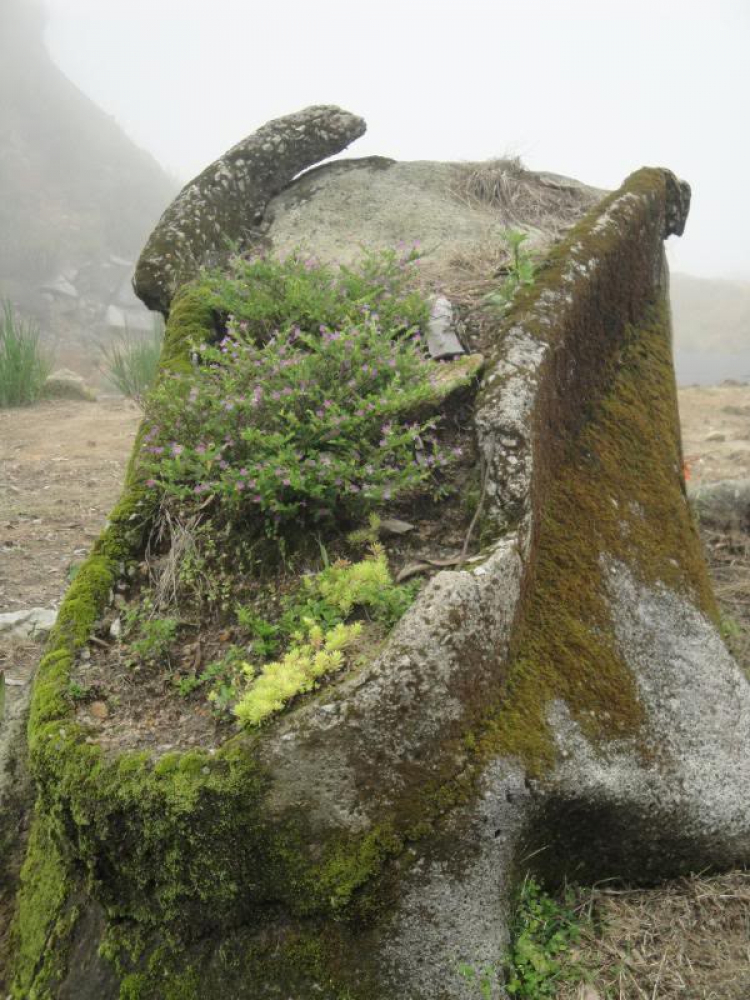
x=321, y=653
x=315, y=626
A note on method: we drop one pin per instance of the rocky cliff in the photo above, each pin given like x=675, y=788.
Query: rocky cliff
x=78, y=197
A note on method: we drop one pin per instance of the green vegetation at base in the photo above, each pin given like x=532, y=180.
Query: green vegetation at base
x=23, y=366
x=545, y=930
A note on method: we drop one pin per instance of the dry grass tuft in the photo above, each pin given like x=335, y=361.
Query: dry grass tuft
x=164, y=570
x=517, y=198
x=729, y=558
x=689, y=939
x=523, y=198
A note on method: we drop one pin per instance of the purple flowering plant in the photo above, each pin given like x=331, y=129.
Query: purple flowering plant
x=266, y=294
x=306, y=421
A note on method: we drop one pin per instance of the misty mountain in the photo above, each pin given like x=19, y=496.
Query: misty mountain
x=710, y=314
x=76, y=195
x=711, y=318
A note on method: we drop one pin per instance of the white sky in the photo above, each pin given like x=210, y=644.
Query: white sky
x=579, y=87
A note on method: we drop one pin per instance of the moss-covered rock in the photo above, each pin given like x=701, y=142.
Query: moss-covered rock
x=567, y=697
x=225, y=203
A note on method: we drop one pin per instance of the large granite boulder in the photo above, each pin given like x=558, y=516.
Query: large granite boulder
x=563, y=703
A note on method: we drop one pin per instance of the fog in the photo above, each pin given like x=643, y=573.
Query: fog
x=588, y=88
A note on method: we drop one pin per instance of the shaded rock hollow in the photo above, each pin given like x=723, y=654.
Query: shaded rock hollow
x=565, y=704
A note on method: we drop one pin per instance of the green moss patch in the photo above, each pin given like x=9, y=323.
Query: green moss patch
x=619, y=493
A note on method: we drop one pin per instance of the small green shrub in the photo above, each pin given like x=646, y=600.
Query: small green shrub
x=266, y=294
x=304, y=411
x=23, y=367
x=521, y=271
x=544, y=932
x=130, y=363
x=154, y=636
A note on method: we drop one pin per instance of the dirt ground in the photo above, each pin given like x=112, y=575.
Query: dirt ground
x=716, y=431
x=61, y=470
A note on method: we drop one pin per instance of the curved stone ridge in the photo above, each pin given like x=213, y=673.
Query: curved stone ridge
x=224, y=202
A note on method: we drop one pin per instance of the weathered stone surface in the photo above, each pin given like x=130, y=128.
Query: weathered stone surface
x=32, y=623
x=225, y=203
x=563, y=704
x=442, y=341
x=336, y=210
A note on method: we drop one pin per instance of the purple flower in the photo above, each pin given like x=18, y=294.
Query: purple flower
x=177, y=449
x=150, y=482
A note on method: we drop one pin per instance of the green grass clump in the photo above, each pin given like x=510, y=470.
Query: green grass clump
x=23, y=367
x=130, y=364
